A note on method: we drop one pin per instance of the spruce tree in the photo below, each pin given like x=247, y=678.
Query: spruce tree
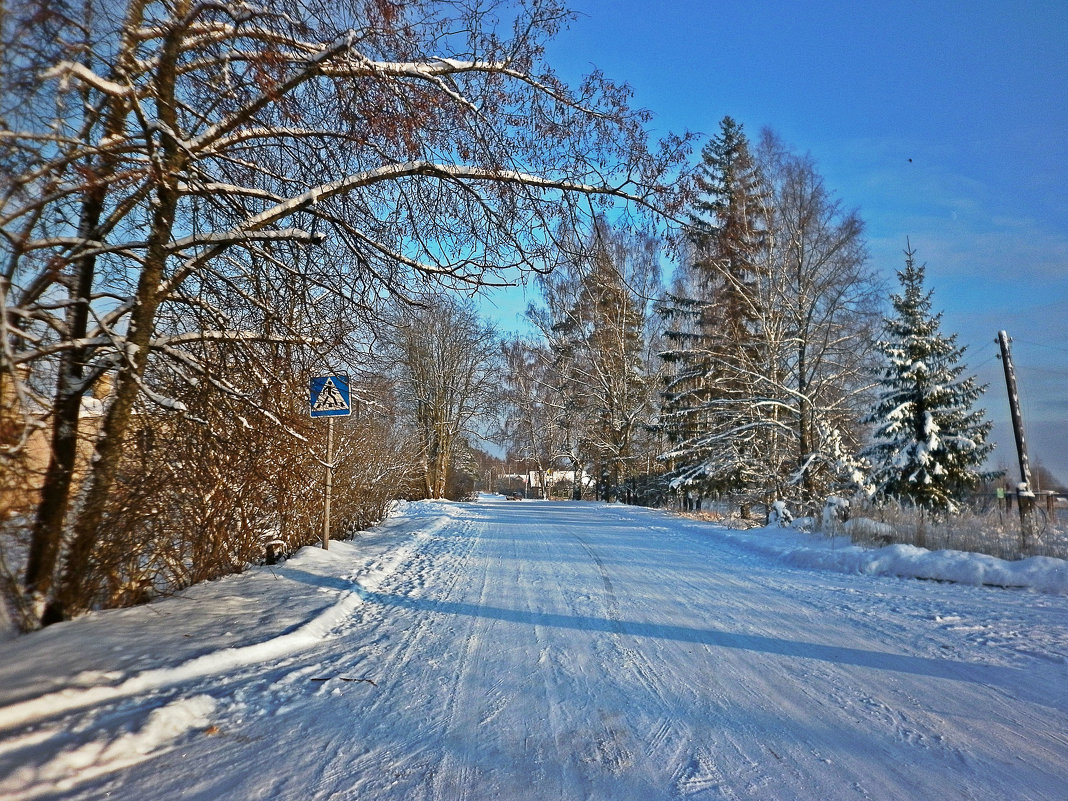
x=729, y=230
x=929, y=443
x=712, y=326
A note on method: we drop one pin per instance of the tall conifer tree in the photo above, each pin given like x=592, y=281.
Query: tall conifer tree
x=729, y=232
x=712, y=321
x=929, y=443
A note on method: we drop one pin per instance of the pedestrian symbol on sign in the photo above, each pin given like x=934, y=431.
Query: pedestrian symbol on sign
x=329, y=396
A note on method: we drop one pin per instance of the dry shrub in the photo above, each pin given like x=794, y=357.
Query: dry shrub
x=195, y=500
x=374, y=464
x=202, y=495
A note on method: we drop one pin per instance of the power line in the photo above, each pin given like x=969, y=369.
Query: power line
x=1043, y=345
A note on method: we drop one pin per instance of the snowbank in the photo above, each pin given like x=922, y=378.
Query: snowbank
x=346, y=592
x=1039, y=573
x=103, y=755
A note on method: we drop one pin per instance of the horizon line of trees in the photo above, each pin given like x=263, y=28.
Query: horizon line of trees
x=767, y=370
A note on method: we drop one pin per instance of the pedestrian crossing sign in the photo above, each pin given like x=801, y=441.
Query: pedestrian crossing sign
x=329, y=396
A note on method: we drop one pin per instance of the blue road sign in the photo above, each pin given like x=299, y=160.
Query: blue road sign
x=329, y=396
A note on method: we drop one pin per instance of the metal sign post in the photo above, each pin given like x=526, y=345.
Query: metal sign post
x=329, y=481
x=328, y=396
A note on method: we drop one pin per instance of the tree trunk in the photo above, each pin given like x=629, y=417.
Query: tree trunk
x=71, y=594
x=51, y=514
x=66, y=410
x=804, y=415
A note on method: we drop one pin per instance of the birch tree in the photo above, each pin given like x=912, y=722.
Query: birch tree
x=155, y=154
x=532, y=417
x=449, y=368
x=821, y=319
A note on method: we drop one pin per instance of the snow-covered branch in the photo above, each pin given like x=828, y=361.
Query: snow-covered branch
x=67, y=70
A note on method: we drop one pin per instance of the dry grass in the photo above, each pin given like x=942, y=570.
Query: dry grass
x=992, y=531
x=985, y=529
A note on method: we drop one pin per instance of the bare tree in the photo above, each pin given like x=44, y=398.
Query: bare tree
x=449, y=372
x=531, y=423
x=822, y=304
x=157, y=153
x=595, y=320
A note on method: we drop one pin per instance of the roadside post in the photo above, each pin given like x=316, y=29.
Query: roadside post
x=328, y=396
x=1025, y=497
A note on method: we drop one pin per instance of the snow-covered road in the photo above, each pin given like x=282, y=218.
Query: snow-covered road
x=546, y=651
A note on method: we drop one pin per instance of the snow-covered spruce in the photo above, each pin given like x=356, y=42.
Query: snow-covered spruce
x=929, y=443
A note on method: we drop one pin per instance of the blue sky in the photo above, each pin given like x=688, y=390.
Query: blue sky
x=943, y=122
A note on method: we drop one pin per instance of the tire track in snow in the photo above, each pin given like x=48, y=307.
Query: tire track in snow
x=284, y=687
x=813, y=682
x=697, y=769
x=557, y=688
x=638, y=664
x=611, y=602
x=454, y=774
x=436, y=565
x=675, y=739
x=588, y=742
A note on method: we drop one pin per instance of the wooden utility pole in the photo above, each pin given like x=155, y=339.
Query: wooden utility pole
x=1025, y=496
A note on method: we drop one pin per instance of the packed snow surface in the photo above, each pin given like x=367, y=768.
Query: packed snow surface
x=533, y=650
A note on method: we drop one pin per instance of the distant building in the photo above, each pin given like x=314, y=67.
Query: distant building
x=21, y=482
x=554, y=477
